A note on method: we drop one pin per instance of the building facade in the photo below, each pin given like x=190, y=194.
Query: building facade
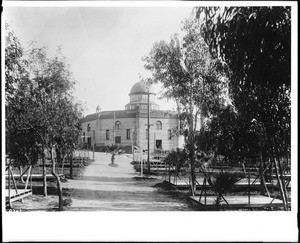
x=128, y=127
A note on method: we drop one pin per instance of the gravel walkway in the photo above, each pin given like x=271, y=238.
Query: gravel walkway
x=103, y=187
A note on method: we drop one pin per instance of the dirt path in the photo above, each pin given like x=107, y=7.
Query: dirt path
x=104, y=187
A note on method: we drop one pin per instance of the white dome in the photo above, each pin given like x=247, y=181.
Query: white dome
x=140, y=87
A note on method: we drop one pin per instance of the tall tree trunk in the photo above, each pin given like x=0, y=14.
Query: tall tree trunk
x=282, y=179
x=45, y=193
x=261, y=171
x=193, y=176
x=21, y=172
x=192, y=149
x=59, y=188
x=284, y=199
x=63, y=164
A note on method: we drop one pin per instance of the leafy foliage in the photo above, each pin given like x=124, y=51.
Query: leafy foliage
x=41, y=113
x=231, y=136
x=255, y=43
x=223, y=182
x=190, y=76
x=21, y=144
x=186, y=69
x=178, y=158
x=254, y=40
x=14, y=63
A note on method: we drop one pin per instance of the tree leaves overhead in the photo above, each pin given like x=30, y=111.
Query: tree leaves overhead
x=40, y=109
x=14, y=63
x=186, y=69
x=191, y=77
x=255, y=43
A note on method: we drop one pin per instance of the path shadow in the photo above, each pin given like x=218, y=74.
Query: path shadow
x=105, y=179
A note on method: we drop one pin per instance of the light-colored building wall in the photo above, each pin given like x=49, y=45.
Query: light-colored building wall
x=155, y=134
x=138, y=132
x=100, y=126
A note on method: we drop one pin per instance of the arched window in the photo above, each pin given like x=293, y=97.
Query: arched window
x=118, y=125
x=158, y=125
x=88, y=129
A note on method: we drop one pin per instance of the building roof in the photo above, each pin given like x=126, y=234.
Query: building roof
x=159, y=114
x=129, y=114
x=140, y=87
x=110, y=115
x=141, y=102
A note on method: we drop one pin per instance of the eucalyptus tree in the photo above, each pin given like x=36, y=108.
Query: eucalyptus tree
x=221, y=136
x=22, y=146
x=36, y=61
x=58, y=113
x=14, y=69
x=191, y=77
x=255, y=42
x=69, y=132
x=41, y=112
x=62, y=134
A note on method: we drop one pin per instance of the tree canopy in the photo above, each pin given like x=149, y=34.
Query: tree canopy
x=41, y=112
x=192, y=77
x=255, y=43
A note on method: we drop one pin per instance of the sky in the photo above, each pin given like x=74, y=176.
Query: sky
x=104, y=45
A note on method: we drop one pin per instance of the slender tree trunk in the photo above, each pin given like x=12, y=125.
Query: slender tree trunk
x=193, y=176
x=63, y=164
x=148, y=133
x=44, y=175
x=71, y=166
x=192, y=149
x=284, y=199
x=179, y=121
x=21, y=176
x=261, y=170
x=282, y=179
x=59, y=188
x=62, y=169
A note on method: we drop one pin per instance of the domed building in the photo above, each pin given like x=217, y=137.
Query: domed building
x=129, y=127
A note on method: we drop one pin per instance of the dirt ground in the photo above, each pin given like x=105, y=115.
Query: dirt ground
x=101, y=186
x=37, y=202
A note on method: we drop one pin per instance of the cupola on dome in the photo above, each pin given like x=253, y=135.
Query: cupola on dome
x=139, y=97
x=140, y=87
